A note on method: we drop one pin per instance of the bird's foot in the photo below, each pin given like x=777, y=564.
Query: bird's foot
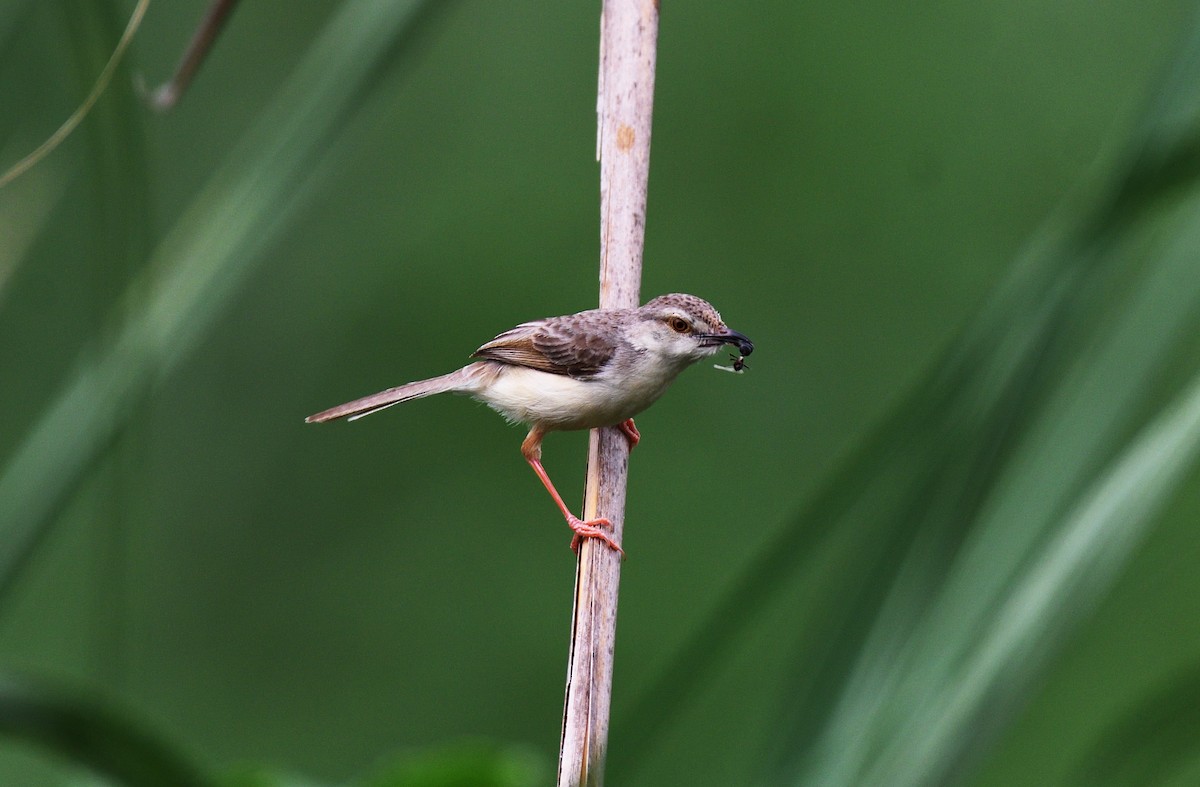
x=631, y=432
x=592, y=528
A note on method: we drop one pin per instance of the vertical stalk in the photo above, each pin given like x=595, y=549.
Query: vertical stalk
x=628, y=39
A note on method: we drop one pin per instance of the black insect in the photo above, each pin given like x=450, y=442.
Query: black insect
x=739, y=363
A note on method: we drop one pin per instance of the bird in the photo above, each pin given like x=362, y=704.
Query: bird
x=592, y=369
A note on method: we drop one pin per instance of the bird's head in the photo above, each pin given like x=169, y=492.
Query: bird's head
x=684, y=328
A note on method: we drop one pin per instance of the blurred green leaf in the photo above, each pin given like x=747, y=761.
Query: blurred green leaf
x=463, y=765
x=93, y=736
x=195, y=270
x=263, y=776
x=1154, y=743
x=467, y=764
x=1001, y=500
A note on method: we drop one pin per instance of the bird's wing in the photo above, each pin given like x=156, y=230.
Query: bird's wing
x=577, y=345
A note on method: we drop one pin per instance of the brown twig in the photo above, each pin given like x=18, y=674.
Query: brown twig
x=166, y=95
x=628, y=39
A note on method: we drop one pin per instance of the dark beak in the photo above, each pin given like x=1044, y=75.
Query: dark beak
x=744, y=345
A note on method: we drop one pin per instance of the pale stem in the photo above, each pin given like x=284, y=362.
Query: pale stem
x=628, y=37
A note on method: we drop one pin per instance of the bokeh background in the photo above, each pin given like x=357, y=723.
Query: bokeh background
x=943, y=530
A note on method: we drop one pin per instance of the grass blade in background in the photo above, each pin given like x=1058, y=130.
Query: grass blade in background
x=195, y=270
x=981, y=599
x=998, y=504
x=92, y=736
x=24, y=215
x=1156, y=742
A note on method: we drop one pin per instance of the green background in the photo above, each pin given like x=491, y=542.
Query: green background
x=852, y=185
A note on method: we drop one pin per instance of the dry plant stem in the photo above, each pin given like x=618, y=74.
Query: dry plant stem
x=628, y=38
x=165, y=96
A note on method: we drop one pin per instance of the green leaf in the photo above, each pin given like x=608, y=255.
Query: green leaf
x=463, y=765
x=999, y=502
x=92, y=736
x=195, y=271
x=1155, y=742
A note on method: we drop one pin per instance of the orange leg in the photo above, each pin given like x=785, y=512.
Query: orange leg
x=631, y=432
x=593, y=528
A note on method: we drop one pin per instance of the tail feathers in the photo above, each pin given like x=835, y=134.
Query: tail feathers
x=461, y=381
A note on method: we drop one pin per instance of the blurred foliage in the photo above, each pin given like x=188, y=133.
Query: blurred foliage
x=1153, y=743
x=458, y=765
x=464, y=765
x=90, y=735
x=955, y=539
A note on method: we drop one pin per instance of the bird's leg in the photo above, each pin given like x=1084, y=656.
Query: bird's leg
x=593, y=528
x=631, y=432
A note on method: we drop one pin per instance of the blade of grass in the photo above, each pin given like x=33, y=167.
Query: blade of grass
x=24, y=215
x=945, y=664
x=92, y=736
x=1035, y=408
x=196, y=268
x=1153, y=743
x=76, y=117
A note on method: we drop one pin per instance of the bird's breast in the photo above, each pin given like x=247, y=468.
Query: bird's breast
x=556, y=401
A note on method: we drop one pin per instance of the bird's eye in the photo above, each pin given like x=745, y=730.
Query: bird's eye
x=679, y=325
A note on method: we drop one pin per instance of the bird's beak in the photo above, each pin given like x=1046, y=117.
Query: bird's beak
x=744, y=345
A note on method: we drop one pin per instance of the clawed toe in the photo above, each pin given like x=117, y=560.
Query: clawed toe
x=593, y=528
x=631, y=432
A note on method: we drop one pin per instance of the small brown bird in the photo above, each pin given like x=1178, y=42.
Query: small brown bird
x=595, y=368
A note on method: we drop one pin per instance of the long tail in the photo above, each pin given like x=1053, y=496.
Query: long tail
x=465, y=380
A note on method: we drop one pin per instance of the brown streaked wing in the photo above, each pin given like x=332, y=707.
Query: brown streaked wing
x=576, y=345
